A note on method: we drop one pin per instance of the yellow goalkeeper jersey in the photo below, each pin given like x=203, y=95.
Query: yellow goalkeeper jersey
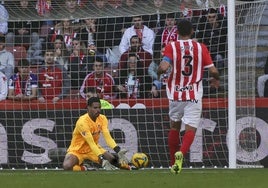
x=86, y=135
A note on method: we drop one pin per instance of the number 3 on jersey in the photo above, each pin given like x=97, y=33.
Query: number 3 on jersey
x=188, y=68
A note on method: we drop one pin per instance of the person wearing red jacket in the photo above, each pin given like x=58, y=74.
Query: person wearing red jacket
x=100, y=80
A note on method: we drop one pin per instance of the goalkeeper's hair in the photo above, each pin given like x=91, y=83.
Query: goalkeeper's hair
x=91, y=100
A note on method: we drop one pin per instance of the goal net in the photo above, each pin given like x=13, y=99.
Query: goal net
x=36, y=134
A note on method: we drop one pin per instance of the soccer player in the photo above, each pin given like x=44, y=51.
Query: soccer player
x=85, y=142
x=186, y=60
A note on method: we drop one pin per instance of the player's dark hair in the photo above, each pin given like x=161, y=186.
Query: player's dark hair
x=185, y=27
x=91, y=100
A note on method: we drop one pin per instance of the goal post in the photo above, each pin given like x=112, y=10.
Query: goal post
x=231, y=84
x=231, y=132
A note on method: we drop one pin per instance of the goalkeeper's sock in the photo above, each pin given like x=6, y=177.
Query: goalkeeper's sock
x=79, y=168
x=125, y=166
x=173, y=144
x=187, y=141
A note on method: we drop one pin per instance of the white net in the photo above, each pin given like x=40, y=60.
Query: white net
x=247, y=29
x=37, y=134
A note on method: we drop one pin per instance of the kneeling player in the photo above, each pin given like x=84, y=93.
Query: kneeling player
x=85, y=146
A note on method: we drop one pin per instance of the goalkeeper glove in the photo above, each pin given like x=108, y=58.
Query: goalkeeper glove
x=107, y=165
x=122, y=156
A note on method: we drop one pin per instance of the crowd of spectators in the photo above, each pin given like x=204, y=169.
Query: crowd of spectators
x=72, y=54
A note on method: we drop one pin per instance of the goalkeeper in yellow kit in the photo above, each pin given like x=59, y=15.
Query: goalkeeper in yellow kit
x=85, y=142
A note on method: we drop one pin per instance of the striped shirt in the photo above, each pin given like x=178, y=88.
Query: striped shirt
x=103, y=85
x=188, y=59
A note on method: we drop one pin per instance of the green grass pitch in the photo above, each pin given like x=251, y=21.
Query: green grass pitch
x=149, y=178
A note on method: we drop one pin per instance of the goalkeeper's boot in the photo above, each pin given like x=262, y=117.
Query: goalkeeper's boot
x=177, y=167
x=87, y=167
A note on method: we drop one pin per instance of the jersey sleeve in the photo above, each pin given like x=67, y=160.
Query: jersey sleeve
x=168, y=52
x=206, y=57
x=106, y=134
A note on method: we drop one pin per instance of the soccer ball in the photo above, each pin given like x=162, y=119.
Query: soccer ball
x=140, y=160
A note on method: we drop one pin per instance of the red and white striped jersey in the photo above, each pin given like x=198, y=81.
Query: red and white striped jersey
x=188, y=60
x=103, y=85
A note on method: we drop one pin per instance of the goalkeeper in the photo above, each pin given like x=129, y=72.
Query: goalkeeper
x=84, y=144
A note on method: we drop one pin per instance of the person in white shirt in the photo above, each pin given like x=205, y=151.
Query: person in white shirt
x=7, y=63
x=3, y=20
x=3, y=86
x=145, y=34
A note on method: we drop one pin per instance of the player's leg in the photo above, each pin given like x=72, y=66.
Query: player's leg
x=73, y=161
x=187, y=139
x=175, y=109
x=191, y=118
x=70, y=161
x=173, y=139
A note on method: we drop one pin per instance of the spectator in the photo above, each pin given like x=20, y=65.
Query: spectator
x=23, y=84
x=4, y=16
x=78, y=66
x=129, y=4
x=61, y=54
x=54, y=83
x=135, y=47
x=100, y=80
x=159, y=84
x=6, y=59
x=91, y=92
x=115, y=3
x=23, y=33
x=43, y=7
x=263, y=82
x=24, y=4
x=3, y=86
x=88, y=31
x=143, y=32
x=156, y=21
x=167, y=34
x=71, y=5
x=133, y=82
x=213, y=33
x=68, y=30
x=99, y=4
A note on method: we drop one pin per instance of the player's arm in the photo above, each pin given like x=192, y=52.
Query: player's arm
x=213, y=71
x=112, y=144
x=163, y=66
x=215, y=77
